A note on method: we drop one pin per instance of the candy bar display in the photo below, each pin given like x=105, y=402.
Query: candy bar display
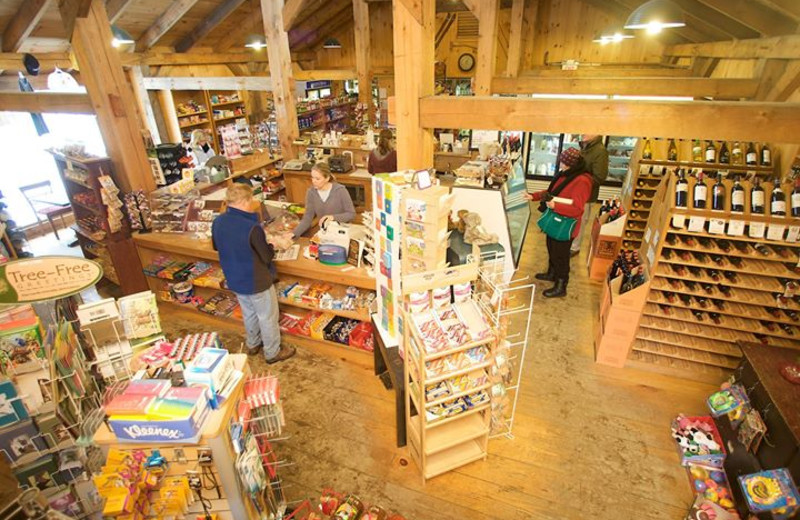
x=137, y=207
x=221, y=304
x=182, y=350
x=326, y=296
x=169, y=211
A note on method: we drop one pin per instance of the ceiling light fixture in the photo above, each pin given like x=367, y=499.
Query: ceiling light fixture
x=612, y=35
x=656, y=15
x=121, y=37
x=332, y=43
x=256, y=42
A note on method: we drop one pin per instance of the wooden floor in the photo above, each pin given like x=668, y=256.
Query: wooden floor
x=590, y=442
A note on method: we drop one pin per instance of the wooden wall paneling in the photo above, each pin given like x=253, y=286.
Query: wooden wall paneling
x=23, y=23
x=515, y=34
x=720, y=21
x=344, y=58
x=768, y=72
x=541, y=33
x=487, y=46
x=340, y=23
x=788, y=8
x=363, y=49
x=211, y=22
x=788, y=86
x=718, y=120
x=292, y=11
x=529, y=32
x=735, y=68
x=382, y=44
x=414, y=59
x=164, y=23
x=452, y=47
x=318, y=21
x=101, y=71
x=280, y=67
x=760, y=19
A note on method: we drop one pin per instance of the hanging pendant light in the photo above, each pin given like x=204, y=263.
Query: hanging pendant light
x=120, y=37
x=656, y=15
x=612, y=34
x=332, y=43
x=256, y=42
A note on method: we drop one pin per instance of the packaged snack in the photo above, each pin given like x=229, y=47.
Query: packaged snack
x=419, y=302
x=462, y=292
x=441, y=297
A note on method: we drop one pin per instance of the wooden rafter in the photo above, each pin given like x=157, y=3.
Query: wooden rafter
x=116, y=8
x=292, y=11
x=611, y=71
x=690, y=87
x=202, y=29
x=415, y=8
x=251, y=23
x=46, y=102
x=487, y=46
x=23, y=23
x=760, y=19
x=711, y=17
x=780, y=47
x=164, y=23
x=717, y=120
x=515, y=38
x=10, y=61
x=790, y=8
x=316, y=22
x=619, y=12
x=339, y=21
x=70, y=10
x=769, y=72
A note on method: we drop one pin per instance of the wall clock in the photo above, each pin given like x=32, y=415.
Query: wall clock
x=466, y=62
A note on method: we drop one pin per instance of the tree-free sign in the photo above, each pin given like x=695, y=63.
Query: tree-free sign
x=46, y=278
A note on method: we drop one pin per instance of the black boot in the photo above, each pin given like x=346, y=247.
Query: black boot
x=559, y=290
x=549, y=276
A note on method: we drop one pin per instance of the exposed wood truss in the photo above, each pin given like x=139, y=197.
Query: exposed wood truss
x=756, y=17
x=116, y=8
x=780, y=47
x=46, y=102
x=164, y=23
x=292, y=11
x=220, y=83
x=23, y=23
x=205, y=27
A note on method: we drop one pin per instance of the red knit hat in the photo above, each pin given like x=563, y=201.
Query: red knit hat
x=570, y=157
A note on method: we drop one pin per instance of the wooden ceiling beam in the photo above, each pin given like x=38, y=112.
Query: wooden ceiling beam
x=12, y=61
x=322, y=74
x=415, y=8
x=206, y=58
x=210, y=23
x=768, y=72
x=712, y=18
x=779, y=47
x=789, y=8
x=46, y=102
x=487, y=45
x=116, y=8
x=220, y=83
x=70, y=10
x=758, y=18
x=626, y=86
x=292, y=11
x=311, y=26
x=252, y=23
x=713, y=120
x=23, y=23
x=164, y=23
x=341, y=19
x=515, y=35
x=610, y=71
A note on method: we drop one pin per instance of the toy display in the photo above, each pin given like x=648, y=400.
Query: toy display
x=727, y=400
x=698, y=440
x=704, y=509
x=711, y=484
x=771, y=491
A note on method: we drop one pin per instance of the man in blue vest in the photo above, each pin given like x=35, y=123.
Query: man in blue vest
x=245, y=255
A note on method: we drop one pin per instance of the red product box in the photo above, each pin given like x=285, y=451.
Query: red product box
x=361, y=337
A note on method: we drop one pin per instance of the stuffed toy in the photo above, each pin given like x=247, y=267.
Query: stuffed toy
x=474, y=232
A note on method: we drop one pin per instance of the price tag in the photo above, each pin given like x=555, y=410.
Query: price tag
x=69, y=165
x=794, y=234
x=757, y=230
x=697, y=224
x=716, y=226
x=736, y=228
x=651, y=255
x=647, y=234
x=679, y=221
x=776, y=231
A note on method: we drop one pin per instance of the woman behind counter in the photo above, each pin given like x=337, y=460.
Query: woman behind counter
x=326, y=199
x=200, y=148
x=383, y=159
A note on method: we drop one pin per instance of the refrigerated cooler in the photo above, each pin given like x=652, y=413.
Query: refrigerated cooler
x=619, y=156
x=545, y=148
x=542, y=154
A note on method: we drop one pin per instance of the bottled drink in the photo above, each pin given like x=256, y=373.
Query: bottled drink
x=769, y=326
x=724, y=289
x=752, y=156
x=681, y=191
x=695, y=271
x=672, y=151
x=796, y=198
x=724, y=246
x=788, y=329
x=736, y=261
x=705, y=242
x=718, y=193
x=707, y=288
x=742, y=247
x=672, y=240
x=700, y=257
x=670, y=296
x=697, y=151
x=698, y=315
x=675, y=284
x=766, y=155
x=737, y=197
x=691, y=286
x=777, y=204
x=700, y=193
x=772, y=311
x=782, y=251
x=714, y=274
x=757, y=197
x=686, y=256
x=736, y=153
x=686, y=299
x=717, y=259
x=688, y=241
x=715, y=317
x=666, y=253
x=678, y=269
x=665, y=309
x=762, y=338
x=711, y=152
x=761, y=248
x=719, y=304
x=702, y=302
x=792, y=315
x=731, y=276
x=724, y=154
x=647, y=151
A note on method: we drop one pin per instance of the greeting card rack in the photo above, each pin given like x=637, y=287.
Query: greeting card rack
x=718, y=277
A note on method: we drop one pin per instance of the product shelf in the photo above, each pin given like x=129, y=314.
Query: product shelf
x=454, y=457
x=197, y=123
x=78, y=182
x=748, y=267
x=685, y=354
x=430, y=356
x=739, y=295
x=451, y=397
x=188, y=114
x=675, y=367
x=732, y=309
x=466, y=428
x=226, y=103
x=97, y=211
x=743, y=238
x=746, y=281
x=660, y=323
x=690, y=342
x=227, y=118
x=710, y=166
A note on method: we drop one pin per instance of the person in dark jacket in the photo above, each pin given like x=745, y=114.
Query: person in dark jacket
x=578, y=189
x=326, y=199
x=245, y=255
x=596, y=156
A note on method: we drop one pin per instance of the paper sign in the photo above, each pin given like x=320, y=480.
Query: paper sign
x=697, y=224
x=736, y=228
x=757, y=230
x=679, y=221
x=794, y=234
x=716, y=226
x=776, y=231
x=46, y=278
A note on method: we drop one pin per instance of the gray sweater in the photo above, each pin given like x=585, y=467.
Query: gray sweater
x=339, y=206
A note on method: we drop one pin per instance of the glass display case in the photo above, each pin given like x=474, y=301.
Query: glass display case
x=619, y=156
x=544, y=150
x=517, y=209
x=542, y=154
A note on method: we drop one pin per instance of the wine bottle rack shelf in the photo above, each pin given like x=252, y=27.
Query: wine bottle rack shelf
x=686, y=354
x=736, y=310
x=745, y=281
x=763, y=170
x=730, y=322
x=675, y=367
x=706, y=345
x=737, y=295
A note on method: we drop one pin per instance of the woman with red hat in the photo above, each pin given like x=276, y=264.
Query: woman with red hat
x=565, y=198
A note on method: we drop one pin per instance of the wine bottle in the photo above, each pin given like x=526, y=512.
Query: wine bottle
x=757, y=197
x=736, y=261
x=724, y=154
x=766, y=155
x=715, y=317
x=714, y=274
x=724, y=289
x=731, y=276
x=762, y=338
x=751, y=157
x=796, y=198
x=700, y=257
x=688, y=241
x=700, y=194
x=719, y=304
x=707, y=288
x=772, y=311
x=699, y=315
x=697, y=151
x=647, y=151
x=777, y=204
x=666, y=253
x=686, y=256
x=685, y=299
x=678, y=269
x=672, y=240
x=675, y=284
x=670, y=296
x=695, y=271
x=736, y=153
x=705, y=242
x=792, y=315
x=681, y=191
x=724, y=246
x=788, y=329
x=702, y=302
x=690, y=286
x=761, y=248
x=672, y=151
x=769, y=325
x=718, y=193
x=666, y=309
x=740, y=246
x=737, y=197
x=717, y=259
x=782, y=251
x=711, y=152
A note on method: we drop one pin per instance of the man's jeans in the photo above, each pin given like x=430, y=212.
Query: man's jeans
x=260, y=313
x=586, y=222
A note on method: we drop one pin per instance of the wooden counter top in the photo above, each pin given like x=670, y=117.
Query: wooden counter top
x=254, y=161
x=358, y=173
x=186, y=245
x=216, y=422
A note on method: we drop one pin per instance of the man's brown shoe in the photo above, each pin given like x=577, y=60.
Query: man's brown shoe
x=284, y=353
x=252, y=351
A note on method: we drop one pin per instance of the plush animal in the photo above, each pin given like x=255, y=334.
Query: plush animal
x=474, y=232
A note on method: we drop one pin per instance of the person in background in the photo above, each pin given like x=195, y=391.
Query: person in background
x=596, y=156
x=200, y=148
x=383, y=159
x=245, y=254
x=577, y=189
x=326, y=199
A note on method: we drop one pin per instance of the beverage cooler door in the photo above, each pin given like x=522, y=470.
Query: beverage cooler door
x=542, y=154
x=619, y=156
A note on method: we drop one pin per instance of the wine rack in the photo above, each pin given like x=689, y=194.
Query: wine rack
x=709, y=289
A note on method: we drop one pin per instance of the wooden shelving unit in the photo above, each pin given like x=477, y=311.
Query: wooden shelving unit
x=212, y=117
x=712, y=290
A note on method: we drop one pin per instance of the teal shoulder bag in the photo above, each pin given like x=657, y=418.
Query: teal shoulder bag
x=557, y=227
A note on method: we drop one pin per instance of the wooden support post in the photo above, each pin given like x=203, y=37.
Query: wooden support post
x=280, y=70
x=414, y=57
x=515, y=38
x=363, y=56
x=101, y=72
x=143, y=102
x=170, y=119
x=487, y=46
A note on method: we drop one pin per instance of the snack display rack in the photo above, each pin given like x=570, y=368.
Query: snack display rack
x=425, y=214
